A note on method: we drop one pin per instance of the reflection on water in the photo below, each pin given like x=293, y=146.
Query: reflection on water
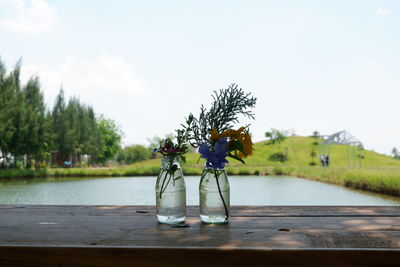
x=245, y=190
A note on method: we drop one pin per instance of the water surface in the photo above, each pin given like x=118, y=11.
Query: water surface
x=245, y=190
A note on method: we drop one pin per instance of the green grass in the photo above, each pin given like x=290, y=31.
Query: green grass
x=380, y=180
x=299, y=149
x=15, y=173
x=380, y=173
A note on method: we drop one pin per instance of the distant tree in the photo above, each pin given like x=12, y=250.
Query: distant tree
x=278, y=156
x=277, y=136
x=8, y=110
x=73, y=122
x=110, y=139
x=268, y=135
x=35, y=139
x=59, y=128
x=2, y=70
x=29, y=131
x=134, y=153
x=18, y=145
x=76, y=131
x=2, y=74
x=316, y=134
x=93, y=148
x=83, y=134
x=395, y=153
x=313, y=154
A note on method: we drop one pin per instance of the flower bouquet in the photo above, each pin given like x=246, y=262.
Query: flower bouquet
x=170, y=185
x=213, y=134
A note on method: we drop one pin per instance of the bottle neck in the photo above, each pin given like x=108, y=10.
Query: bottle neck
x=209, y=166
x=169, y=160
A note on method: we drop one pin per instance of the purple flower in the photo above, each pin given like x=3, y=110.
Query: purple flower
x=217, y=158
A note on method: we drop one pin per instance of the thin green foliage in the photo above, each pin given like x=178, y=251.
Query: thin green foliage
x=224, y=112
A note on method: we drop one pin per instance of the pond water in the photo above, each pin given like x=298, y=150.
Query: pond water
x=245, y=190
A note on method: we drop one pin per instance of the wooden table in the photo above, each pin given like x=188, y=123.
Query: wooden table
x=255, y=235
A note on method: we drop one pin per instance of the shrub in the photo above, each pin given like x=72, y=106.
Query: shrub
x=278, y=156
x=277, y=170
x=244, y=172
x=132, y=154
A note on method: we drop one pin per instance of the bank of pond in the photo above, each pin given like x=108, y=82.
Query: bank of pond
x=384, y=180
x=245, y=190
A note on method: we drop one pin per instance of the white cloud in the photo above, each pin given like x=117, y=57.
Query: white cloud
x=383, y=12
x=101, y=80
x=28, y=16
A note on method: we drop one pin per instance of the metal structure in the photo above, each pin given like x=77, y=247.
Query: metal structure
x=343, y=138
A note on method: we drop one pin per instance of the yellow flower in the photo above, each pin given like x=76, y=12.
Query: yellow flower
x=248, y=145
x=239, y=141
x=233, y=133
x=215, y=136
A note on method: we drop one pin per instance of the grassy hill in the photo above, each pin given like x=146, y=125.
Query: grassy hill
x=299, y=149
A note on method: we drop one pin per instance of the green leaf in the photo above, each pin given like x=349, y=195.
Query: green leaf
x=236, y=145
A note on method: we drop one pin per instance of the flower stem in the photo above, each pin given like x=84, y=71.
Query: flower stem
x=220, y=194
x=163, y=188
x=162, y=185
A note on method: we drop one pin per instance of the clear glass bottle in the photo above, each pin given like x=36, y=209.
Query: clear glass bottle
x=170, y=192
x=214, y=196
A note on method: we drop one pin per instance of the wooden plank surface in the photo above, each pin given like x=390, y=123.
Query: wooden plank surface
x=358, y=234
x=193, y=211
x=160, y=256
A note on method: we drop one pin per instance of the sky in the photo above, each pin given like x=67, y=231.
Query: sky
x=321, y=66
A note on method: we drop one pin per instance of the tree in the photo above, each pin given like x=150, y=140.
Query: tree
x=313, y=154
x=35, y=140
x=76, y=131
x=92, y=145
x=277, y=136
x=134, y=153
x=73, y=135
x=395, y=153
x=18, y=146
x=28, y=130
x=315, y=134
x=8, y=110
x=59, y=128
x=110, y=139
x=268, y=135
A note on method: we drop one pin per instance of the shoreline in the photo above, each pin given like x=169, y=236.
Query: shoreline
x=385, y=180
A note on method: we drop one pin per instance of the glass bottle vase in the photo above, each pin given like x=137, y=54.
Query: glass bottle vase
x=170, y=192
x=214, y=196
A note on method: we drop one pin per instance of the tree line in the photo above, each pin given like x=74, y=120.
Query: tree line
x=35, y=135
